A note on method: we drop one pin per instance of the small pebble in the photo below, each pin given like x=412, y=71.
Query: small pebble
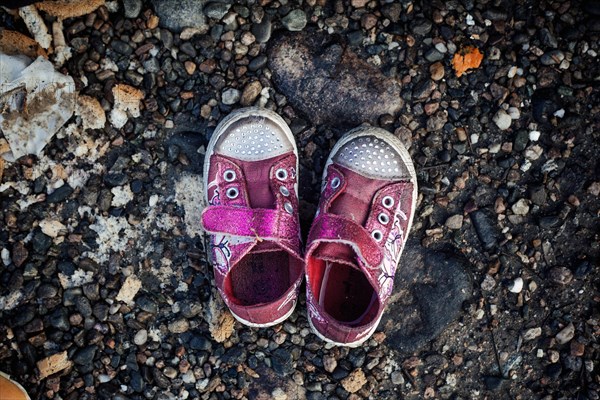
x=516, y=285
x=566, y=334
x=502, y=119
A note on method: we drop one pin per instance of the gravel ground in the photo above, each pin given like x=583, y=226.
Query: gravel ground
x=105, y=291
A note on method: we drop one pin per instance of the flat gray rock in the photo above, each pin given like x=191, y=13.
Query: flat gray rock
x=177, y=15
x=328, y=83
x=429, y=291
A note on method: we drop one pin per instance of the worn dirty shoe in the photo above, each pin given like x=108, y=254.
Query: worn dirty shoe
x=355, y=242
x=11, y=390
x=250, y=176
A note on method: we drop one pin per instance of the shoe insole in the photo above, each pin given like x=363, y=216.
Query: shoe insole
x=261, y=277
x=346, y=294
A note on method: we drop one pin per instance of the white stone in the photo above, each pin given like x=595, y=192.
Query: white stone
x=532, y=333
x=502, y=120
x=559, y=113
x=230, y=96
x=153, y=200
x=534, y=136
x=514, y=113
x=540, y=353
x=566, y=334
x=474, y=138
x=5, y=255
x=512, y=72
x=516, y=286
x=521, y=207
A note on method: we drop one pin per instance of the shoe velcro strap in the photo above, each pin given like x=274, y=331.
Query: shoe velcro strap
x=331, y=228
x=259, y=223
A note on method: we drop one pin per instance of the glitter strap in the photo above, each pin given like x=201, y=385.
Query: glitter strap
x=259, y=223
x=337, y=229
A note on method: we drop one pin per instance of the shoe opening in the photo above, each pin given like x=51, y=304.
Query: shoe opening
x=342, y=289
x=262, y=277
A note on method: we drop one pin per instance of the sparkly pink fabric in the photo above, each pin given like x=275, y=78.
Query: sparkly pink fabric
x=377, y=260
x=254, y=221
x=260, y=223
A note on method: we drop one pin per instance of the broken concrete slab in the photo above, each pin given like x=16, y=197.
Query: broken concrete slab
x=329, y=83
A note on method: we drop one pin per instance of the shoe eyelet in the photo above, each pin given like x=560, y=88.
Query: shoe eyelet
x=383, y=218
x=388, y=202
x=377, y=235
x=335, y=183
x=281, y=174
x=229, y=175
x=288, y=207
x=232, y=193
x=284, y=191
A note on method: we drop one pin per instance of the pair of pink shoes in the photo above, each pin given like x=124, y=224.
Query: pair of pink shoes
x=355, y=242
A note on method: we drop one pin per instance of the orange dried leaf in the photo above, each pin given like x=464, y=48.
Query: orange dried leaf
x=467, y=58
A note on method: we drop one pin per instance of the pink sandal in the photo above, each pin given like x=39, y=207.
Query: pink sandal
x=250, y=176
x=355, y=242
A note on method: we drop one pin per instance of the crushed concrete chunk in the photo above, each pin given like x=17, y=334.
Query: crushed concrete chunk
x=129, y=289
x=220, y=320
x=355, y=381
x=127, y=100
x=53, y=364
x=91, y=112
x=52, y=228
x=36, y=25
x=64, y=9
x=15, y=43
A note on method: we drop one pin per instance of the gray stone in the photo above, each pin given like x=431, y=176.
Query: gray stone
x=262, y=30
x=230, y=96
x=132, y=8
x=502, y=120
x=295, y=21
x=216, y=10
x=141, y=337
x=485, y=226
x=177, y=15
x=552, y=57
x=433, y=285
x=303, y=66
x=433, y=55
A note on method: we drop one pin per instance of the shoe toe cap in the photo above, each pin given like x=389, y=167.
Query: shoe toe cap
x=373, y=156
x=253, y=138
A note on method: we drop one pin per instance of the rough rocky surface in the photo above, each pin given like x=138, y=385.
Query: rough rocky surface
x=329, y=83
x=104, y=281
x=428, y=295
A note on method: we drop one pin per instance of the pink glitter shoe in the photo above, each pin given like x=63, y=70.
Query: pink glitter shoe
x=357, y=237
x=250, y=176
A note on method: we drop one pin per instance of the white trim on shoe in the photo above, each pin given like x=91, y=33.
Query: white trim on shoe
x=351, y=344
x=268, y=324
